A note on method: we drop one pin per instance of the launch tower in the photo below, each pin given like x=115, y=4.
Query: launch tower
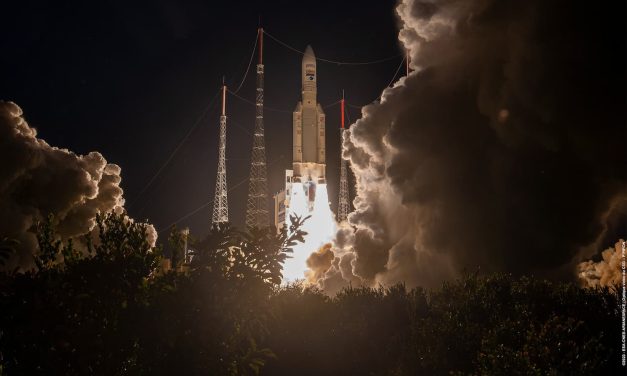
x=257, y=205
x=220, y=201
x=343, y=207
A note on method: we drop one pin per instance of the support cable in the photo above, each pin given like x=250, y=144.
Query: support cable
x=210, y=202
x=329, y=60
x=254, y=104
x=387, y=86
x=252, y=55
x=348, y=116
x=178, y=147
x=270, y=108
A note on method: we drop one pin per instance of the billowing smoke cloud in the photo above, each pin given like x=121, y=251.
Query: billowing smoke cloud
x=318, y=263
x=503, y=150
x=608, y=271
x=37, y=179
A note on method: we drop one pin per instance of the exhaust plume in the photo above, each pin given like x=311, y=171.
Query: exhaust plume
x=606, y=272
x=503, y=150
x=318, y=263
x=37, y=179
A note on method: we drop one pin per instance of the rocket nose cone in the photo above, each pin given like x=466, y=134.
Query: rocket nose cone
x=309, y=53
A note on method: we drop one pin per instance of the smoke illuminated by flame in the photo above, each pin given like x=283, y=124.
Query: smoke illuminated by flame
x=320, y=228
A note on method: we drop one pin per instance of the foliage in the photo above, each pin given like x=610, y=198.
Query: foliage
x=257, y=253
x=176, y=240
x=108, y=311
x=71, y=317
x=491, y=325
x=263, y=252
x=51, y=249
x=120, y=237
x=7, y=248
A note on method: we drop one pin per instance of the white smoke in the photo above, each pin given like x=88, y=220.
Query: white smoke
x=608, y=271
x=485, y=157
x=37, y=179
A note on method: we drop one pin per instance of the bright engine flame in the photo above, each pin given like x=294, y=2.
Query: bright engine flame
x=320, y=229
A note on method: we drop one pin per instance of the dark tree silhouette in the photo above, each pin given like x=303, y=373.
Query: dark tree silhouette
x=112, y=310
x=7, y=248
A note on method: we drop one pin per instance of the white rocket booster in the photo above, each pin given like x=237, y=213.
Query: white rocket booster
x=308, y=127
x=305, y=193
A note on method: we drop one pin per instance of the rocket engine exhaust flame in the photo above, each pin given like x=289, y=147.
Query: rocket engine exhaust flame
x=320, y=228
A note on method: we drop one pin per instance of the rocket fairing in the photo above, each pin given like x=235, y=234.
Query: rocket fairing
x=308, y=128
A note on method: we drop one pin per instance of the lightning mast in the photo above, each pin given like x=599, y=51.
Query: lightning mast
x=257, y=205
x=220, y=202
x=344, y=204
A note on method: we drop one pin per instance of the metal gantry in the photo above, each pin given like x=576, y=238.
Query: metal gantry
x=344, y=205
x=220, y=201
x=257, y=205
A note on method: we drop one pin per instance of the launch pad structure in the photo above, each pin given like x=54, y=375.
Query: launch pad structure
x=343, y=207
x=220, y=201
x=307, y=177
x=257, y=204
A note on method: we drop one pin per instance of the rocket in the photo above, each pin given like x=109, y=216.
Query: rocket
x=309, y=134
x=307, y=175
x=308, y=157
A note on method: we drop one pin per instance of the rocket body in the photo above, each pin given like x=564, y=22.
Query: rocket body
x=308, y=128
x=305, y=193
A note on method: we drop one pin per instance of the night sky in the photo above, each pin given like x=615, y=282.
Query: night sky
x=503, y=149
x=130, y=80
x=488, y=183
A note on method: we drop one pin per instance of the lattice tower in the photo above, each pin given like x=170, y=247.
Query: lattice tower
x=220, y=201
x=257, y=205
x=344, y=205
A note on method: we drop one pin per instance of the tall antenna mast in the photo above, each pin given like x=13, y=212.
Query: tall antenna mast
x=343, y=207
x=220, y=202
x=257, y=205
